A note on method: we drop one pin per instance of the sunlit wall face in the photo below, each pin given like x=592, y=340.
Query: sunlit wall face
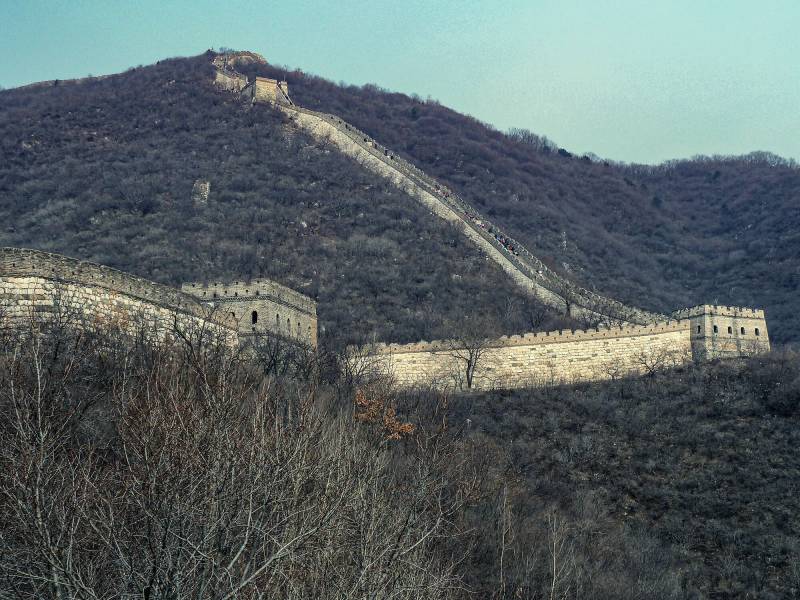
x=625, y=79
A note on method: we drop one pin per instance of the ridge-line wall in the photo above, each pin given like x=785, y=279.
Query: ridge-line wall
x=525, y=269
x=535, y=359
x=323, y=129
x=414, y=182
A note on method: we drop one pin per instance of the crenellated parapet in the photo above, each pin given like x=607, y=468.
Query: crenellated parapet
x=28, y=263
x=701, y=333
x=724, y=311
x=44, y=287
x=560, y=336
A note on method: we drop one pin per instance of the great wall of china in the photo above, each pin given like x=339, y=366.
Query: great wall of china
x=523, y=267
x=626, y=340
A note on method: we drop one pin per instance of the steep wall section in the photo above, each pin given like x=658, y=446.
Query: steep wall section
x=41, y=285
x=535, y=358
x=230, y=81
x=524, y=268
x=261, y=307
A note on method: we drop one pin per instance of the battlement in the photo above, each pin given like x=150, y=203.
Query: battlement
x=723, y=311
x=539, y=338
x=261, y=306
x=255, y=288
x=264, y=89
x=31, y=280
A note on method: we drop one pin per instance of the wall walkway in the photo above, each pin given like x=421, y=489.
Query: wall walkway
x=524, y=268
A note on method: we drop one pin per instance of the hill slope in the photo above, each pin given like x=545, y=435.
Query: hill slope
x=104, y=171
x=719, y=230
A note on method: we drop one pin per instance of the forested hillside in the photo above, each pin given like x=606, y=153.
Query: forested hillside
x=104, y=170
x=183, y=472
x=721, y=230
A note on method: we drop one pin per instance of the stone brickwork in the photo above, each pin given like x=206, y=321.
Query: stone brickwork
x=534, y=359
x=701, y=333
x=261, y=307
x=268, y=90
x=230, y=81
x=200, y=191
x=40, y=284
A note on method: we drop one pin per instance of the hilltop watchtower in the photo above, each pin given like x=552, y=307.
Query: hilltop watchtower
x=264, y=89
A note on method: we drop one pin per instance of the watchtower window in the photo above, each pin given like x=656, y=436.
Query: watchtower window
x=254, y=317
x=716, y=329
x=698, y=329
x=757, y=331
x=730, y=329
x=742, y=330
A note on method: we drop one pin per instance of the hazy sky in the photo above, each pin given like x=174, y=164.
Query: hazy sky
x=634, y=80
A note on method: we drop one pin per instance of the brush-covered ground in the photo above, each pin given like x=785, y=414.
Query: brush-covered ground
x=186, y=471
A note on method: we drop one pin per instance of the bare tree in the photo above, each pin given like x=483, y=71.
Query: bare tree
x=469, y=349
x=216, y=482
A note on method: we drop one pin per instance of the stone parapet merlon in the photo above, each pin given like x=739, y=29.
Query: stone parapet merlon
x=723, y=311
x=253, y=289
x=536, y=338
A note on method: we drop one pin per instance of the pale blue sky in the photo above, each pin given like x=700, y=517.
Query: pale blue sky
x=634, y=80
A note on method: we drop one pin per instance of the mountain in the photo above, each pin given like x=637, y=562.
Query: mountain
x=722, y=230
x=104, y=169
x=680, y=484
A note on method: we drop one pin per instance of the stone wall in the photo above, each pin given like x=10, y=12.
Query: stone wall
x=525, y=270
x=41, y=285
x=230, y=81
x=535, y=358
x=261, y=307
x=268, y=90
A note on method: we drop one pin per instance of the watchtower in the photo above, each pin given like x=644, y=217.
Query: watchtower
x=725, y=331
x=262, y=307
x=265, y=89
